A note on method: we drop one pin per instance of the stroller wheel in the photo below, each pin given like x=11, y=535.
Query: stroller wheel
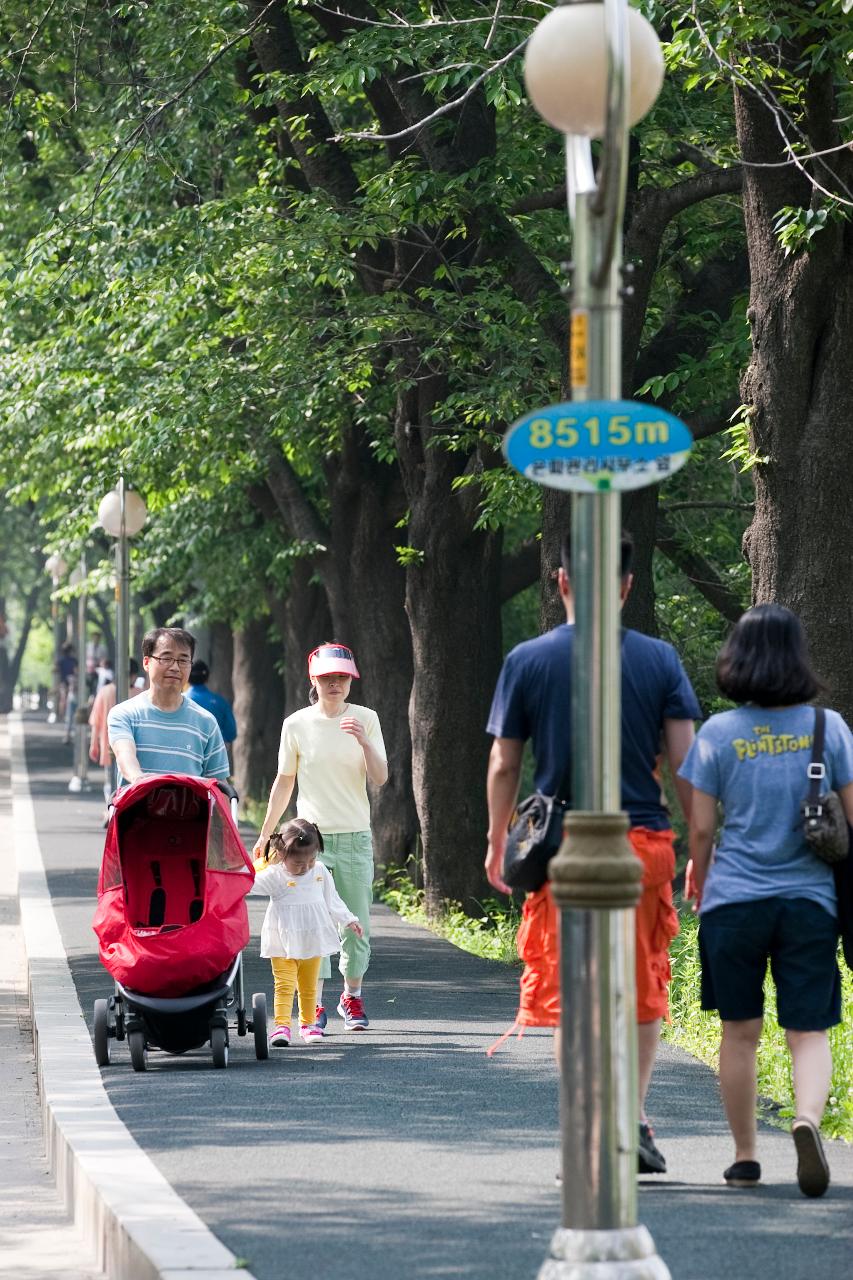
x=219, y=1046
x=102, y=1034
x=259, y=1025
x=138, y=1051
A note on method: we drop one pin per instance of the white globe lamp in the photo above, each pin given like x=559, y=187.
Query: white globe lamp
x=56, y=567
x=109, y=513
x=565, y=68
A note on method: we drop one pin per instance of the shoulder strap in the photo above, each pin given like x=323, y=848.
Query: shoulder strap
x=817, y=774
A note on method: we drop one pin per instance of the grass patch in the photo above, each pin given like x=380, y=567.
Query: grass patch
x=699, y=1033
x=490, y=935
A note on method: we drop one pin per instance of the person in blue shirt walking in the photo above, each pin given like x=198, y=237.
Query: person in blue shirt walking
x=214, y=703
x=162, y=730
x=762, y=895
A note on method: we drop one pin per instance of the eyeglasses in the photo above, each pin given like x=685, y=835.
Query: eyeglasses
x=168, y=660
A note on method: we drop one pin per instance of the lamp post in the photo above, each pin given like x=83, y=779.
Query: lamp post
x=593, y=70
x=122, y=513
x=57, y=568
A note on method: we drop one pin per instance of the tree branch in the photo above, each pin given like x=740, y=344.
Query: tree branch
x=520, y=568
x=714, y=506
x=443, y=110
x=556, y=198
x=324, y=165
x=297, y=513
x=699, y=571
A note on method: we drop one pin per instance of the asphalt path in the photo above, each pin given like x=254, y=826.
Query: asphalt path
x=404, y=1151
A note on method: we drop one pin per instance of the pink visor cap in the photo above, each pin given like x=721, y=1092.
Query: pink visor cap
x=332, y=660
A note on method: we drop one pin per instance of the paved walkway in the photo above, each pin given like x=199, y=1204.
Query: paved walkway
x=405, y=1151
x=37, y=1239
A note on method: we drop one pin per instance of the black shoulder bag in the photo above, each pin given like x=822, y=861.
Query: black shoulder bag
x=824, y=822
x=534, y=836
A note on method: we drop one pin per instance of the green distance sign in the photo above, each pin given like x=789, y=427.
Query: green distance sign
x=592, y=446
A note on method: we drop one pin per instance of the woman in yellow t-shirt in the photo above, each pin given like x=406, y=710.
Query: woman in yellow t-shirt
x=331, y=748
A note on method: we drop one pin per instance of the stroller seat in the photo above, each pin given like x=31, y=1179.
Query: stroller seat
x=164, y=863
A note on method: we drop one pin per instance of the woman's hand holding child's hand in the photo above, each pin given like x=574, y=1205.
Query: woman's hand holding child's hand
x=356, y=928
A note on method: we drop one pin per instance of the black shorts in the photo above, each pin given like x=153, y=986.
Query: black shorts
x=798, y=937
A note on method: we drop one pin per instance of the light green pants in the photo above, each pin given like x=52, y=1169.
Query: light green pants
x=349, y=857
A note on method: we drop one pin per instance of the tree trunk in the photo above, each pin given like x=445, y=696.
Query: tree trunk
x=454, y=608
x=258, y=709
x=456, y=632
x=367, y=503
x=103, y=619
x=221, y=660
x=556, y=523
x=10, y=667
x=639, y=509
x=798, y=387
x=303, y=621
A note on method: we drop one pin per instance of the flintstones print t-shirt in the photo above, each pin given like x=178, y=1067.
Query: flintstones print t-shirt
x=756, y=763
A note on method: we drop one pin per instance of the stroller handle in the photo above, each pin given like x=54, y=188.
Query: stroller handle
x=230, y=791
x=227, y=788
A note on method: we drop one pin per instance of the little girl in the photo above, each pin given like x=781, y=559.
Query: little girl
x=299, y=926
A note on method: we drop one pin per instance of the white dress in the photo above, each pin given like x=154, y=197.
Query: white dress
x=302, y=914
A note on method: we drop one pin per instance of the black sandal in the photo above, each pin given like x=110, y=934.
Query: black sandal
x=743, y=1173
x=812, y=1169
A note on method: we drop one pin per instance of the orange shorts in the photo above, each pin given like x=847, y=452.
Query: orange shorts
x=656, y=926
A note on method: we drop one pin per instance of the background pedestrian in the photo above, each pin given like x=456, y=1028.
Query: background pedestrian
x=533, y=700
x=763, y=895
x=218, y=706
x=331, y=749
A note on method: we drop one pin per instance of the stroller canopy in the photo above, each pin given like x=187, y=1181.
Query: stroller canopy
x=171, y=912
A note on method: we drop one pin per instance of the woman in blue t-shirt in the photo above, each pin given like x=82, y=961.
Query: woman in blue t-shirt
x=762, y=894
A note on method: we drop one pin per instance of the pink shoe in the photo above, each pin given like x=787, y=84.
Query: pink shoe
x=280, y=1038
x=310, y=1034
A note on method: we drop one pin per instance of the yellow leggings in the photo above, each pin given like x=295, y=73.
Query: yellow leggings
x=290, y=976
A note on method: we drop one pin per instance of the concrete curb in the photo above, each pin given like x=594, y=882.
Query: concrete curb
x=136, y=1224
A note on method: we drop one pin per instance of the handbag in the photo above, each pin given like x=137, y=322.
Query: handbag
x=534, y=836
x=824, y=821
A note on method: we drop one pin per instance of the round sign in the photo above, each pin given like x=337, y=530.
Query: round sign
x=592, y=446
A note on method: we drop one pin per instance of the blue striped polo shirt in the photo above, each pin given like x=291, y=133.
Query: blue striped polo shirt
x=184, y=741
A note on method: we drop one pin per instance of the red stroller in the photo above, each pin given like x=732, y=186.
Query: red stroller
x=172, y=921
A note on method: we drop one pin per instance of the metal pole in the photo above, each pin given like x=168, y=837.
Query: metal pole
x=122, y=657
x=596, y=876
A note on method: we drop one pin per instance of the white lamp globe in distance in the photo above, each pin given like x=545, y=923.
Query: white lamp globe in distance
x=109, y=513
x=565, y=68
x=56, y=566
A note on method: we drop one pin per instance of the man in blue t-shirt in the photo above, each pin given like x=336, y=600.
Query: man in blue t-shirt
x=161, y=730
x=533, y=701
x=218, y=706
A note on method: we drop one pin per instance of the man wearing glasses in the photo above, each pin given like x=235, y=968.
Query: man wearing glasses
x=162, y=731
